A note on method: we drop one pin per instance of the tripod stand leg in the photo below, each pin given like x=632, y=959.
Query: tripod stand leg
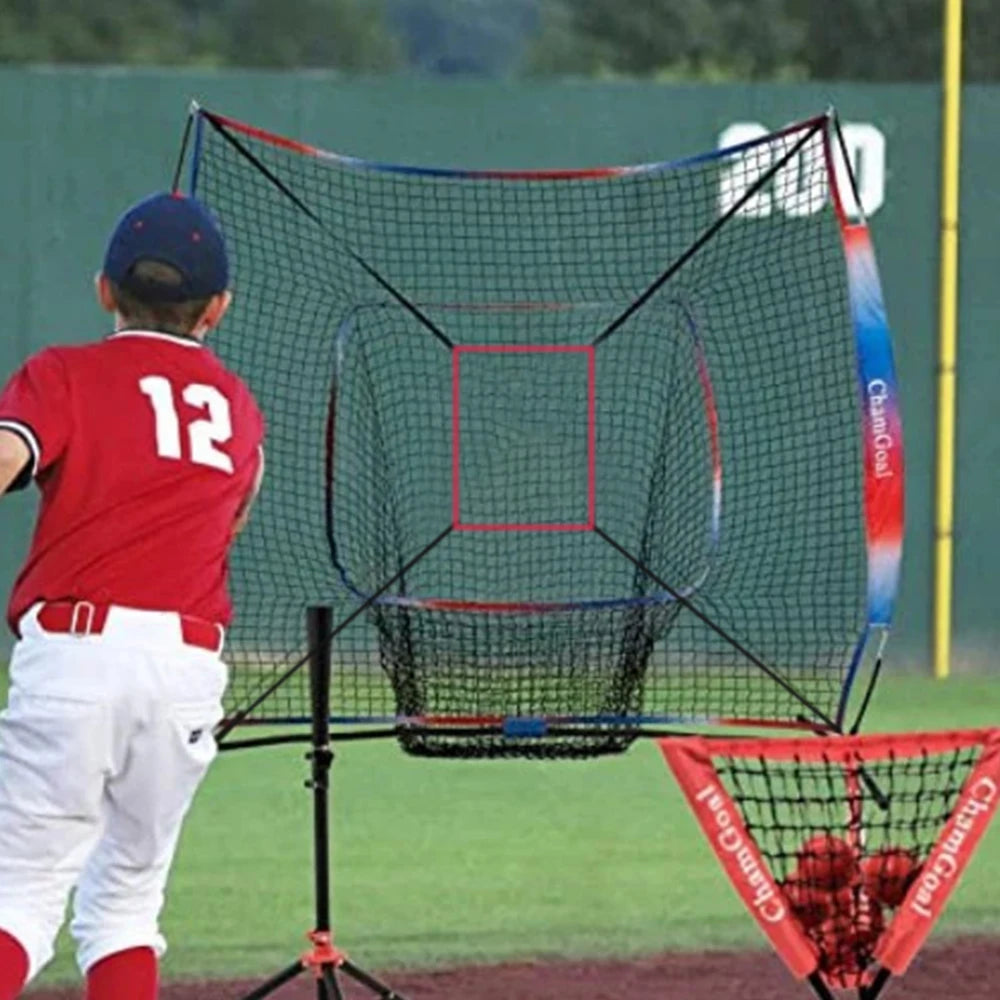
x=879, y=983
x=328, y=988
x=376, y=986
x=276, y=982
x=820, y=987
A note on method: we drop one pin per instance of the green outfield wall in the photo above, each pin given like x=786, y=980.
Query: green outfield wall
x=75, y=146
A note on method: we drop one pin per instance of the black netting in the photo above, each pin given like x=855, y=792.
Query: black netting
x=652, y=367
x=847, y=840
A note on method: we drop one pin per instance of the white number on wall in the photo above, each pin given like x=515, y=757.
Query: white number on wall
x=799, y=189
x=204, y=435
x=741, y=172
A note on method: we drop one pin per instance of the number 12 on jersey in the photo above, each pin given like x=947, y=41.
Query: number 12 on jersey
x=204, y=435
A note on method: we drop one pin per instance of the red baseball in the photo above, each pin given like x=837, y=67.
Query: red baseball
x=809, y=903
x=847, y=938
x=827, y=862
x=836, y=956
x=888, y=874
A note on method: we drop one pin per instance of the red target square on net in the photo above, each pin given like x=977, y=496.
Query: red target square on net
x=524, y=432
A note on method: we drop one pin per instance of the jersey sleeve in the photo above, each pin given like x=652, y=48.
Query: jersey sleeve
x=34, y=404
x=253, y=416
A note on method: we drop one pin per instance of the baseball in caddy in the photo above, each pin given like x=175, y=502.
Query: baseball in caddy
x=888, y=874
x=847, y=938
x=827, y=862
x=810, y=904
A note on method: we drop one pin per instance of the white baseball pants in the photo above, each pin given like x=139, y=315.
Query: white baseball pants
x=102, y=747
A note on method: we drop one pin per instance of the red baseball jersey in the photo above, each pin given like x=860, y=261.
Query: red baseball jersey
x=144, y=447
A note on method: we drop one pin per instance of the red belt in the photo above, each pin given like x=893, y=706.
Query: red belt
x=83, y=618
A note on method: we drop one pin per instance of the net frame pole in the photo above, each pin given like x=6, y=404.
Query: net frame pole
x=228, y=725
x=867, y=639
x=812, y=127
x=218, y=122
x=324, y=961
x=175, y=185
x=823, y=721
x=867, y=699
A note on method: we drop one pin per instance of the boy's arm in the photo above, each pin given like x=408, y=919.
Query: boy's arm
x=244, y=512
x=34, y=419
x=15, y=461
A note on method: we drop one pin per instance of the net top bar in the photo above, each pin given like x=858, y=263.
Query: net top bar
x=457, y=173
x=838, y=749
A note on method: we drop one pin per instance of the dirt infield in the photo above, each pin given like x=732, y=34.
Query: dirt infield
x=967, y=969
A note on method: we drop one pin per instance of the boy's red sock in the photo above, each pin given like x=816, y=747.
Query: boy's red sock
x=13, y=967
x=126, y=975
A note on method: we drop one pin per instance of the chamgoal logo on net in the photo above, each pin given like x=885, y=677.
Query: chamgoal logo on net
x=953, y=853
x=800, y=188
x=882, y=442
x=731, y=843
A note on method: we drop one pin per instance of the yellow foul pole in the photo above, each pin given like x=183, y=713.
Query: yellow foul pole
x=947, y=337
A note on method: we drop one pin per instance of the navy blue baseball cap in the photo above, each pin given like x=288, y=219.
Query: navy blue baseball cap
x=173, y=229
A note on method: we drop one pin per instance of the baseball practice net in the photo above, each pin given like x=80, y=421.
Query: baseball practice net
x=844, y=849
x=572, y=451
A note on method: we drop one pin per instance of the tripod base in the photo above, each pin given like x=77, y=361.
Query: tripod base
x=326, y=964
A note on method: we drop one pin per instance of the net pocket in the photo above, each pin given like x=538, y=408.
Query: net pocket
x=566, y=683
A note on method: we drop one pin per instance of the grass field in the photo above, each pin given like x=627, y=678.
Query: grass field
x=443, y=862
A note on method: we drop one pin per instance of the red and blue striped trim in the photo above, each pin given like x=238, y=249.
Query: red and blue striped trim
x=538, y=725
x=881, y=428
x=454, y=173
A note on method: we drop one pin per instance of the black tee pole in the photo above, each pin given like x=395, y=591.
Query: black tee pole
x=325, y=962
x=319, y=628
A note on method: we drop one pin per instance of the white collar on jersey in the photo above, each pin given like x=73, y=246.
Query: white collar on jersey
x=173, y=338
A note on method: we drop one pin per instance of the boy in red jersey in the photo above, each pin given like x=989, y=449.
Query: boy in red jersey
x=147, y=454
